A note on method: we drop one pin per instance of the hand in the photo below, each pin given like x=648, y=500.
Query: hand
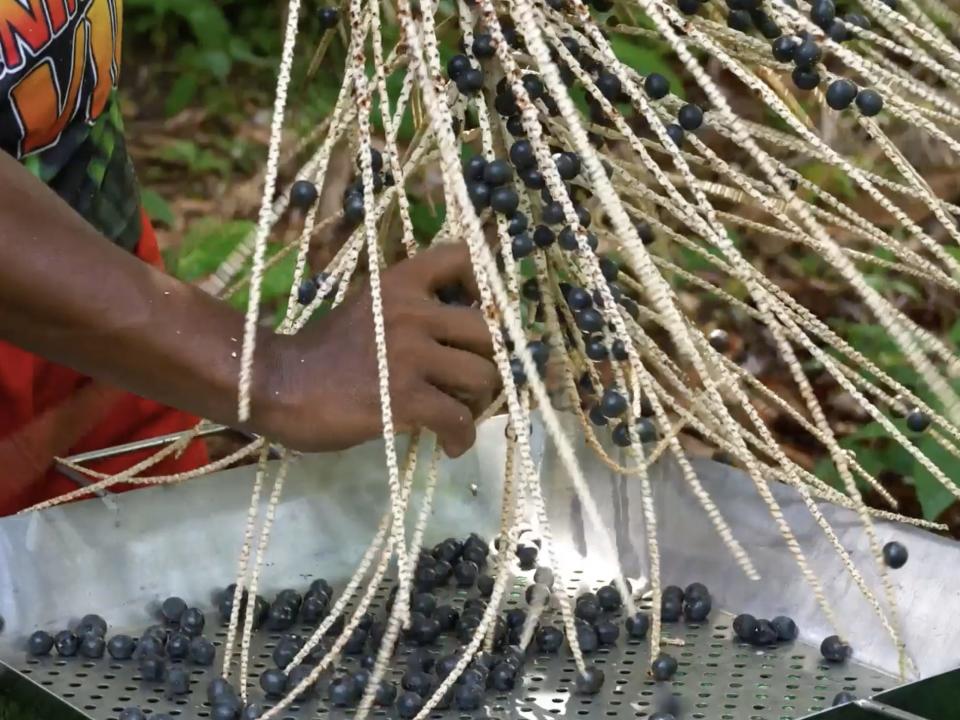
x=322, y=390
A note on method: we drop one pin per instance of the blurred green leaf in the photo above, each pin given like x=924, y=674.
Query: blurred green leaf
x=181, y=94
x=156, y=207
x=207, y=244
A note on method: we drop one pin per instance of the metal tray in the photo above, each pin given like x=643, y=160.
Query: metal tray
x=121, y=555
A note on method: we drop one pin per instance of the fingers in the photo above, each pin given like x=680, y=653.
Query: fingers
x=461, y=327
x=450, y=419
x=463, y=375
x=443, y=265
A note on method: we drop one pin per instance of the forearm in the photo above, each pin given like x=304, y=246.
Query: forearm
x=68, y=294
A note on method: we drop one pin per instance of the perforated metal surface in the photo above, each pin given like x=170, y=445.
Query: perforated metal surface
x=718, y=678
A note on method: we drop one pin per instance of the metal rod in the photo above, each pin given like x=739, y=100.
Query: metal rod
x=78, y=478
x=886, y=711
x=146, y=444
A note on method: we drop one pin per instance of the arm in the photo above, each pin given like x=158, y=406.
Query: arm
x=68, y=294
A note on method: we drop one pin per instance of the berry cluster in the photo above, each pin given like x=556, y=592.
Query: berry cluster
x=764, y=633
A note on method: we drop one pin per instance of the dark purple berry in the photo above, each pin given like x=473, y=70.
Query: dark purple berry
x=840, y=94
x=835, y=650
x=589, y=682
x=637, y=625
x=329, y=17
x=41, y=643
x=664, y=667
x=785, y=628
x=66, y=643
x=303, y=194
x=895, y=554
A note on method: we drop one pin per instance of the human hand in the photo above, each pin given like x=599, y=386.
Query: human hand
x=322, y=392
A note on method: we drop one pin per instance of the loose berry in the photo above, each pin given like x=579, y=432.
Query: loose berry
x=671, y=609
x=764, y=634
x=273, y=682
x=250, y=712
x=202, y=651
x=173, y=607
x=92, y=625
x=697, y=610
x=466, y=573
x=152, y=669
x=835, y=650
x=843, y=698
x=663, y=668
x=621, y=435
x=342, y=692
x=786, y=628
x=219, y=689
x=67, y=643
x=589, y=682
x=92, y=646
x=537, y=595
x=386, y=694
x=527, y=555
x=637, y=625
x=743, y=626
x=607, y=632
x=588, y=609
x=689, y=7
x=549, y=639
x=609, y=598
x=895, y=554
x=468, y=697
x=40, y=643
x=178, y=680
x=587, y=638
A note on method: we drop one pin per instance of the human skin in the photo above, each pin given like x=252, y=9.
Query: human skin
x=71, y=296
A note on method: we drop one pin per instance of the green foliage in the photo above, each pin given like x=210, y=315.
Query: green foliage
x=208, y=41
x=875, y=450
x=209, y=242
